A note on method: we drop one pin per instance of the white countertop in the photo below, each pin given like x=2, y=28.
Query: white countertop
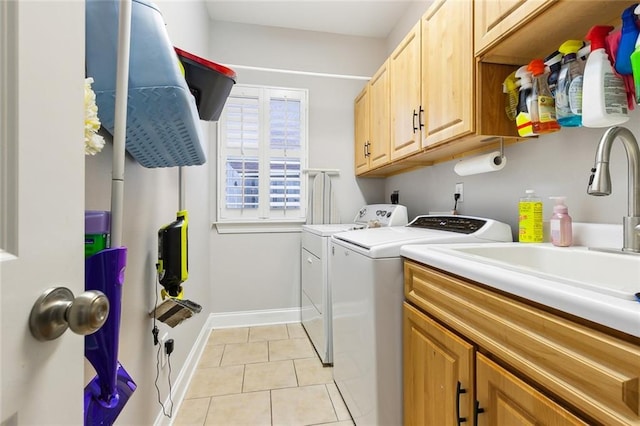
x=614, y=312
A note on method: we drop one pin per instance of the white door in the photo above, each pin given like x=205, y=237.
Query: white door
x=41, y=204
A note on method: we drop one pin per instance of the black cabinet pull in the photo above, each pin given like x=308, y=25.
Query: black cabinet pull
x=415, y=115
x=477, y=410
x=420, y=123
x=459, y=391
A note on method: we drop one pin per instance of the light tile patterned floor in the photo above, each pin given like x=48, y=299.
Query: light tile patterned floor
x=268, y=375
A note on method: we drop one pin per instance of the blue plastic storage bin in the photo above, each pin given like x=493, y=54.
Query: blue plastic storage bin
x=163, y=127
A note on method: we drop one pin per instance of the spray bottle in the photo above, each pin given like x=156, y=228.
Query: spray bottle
x=554, y=62
x=543, y=106
x=635, y=62
x=628, y=37
x=523, y=119
x=510, y=90
x=569, y=92
x=603, y=92
x=560, y=224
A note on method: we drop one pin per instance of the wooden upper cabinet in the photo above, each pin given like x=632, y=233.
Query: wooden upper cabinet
x=438, y=373
x=361, y=114
x=507, y=400
x=496, y=19
x=516, y=31
x=448, y=71
x=405, y=105
x=379, y=119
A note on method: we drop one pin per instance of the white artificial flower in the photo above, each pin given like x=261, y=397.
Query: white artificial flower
x=93, y=142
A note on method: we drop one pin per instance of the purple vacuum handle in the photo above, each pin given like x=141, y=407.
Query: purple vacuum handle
x=104, y=271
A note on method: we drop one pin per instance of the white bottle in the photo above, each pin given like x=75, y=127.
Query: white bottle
x=604, y=97
x=560, y=226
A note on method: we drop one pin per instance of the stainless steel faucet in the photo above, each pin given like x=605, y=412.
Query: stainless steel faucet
x=600, y=181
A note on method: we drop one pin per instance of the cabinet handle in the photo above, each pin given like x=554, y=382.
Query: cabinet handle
x=459, y=391
x=415, y=115
x=367, y=152
x=420, y=123
x=309, y=260
x=477, y=410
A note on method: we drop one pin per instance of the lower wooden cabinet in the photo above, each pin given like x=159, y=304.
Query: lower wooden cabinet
x=440, y=378
x=438, y=372
x=471, y=352
x=503, y=399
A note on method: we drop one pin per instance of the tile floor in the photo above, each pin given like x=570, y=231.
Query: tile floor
x=268, y=375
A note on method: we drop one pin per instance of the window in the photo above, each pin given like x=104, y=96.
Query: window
x=262, y=144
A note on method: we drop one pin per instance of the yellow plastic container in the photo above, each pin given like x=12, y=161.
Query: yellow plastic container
x=530, y=218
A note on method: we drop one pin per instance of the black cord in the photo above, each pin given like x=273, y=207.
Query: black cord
x=456, y=197
x=161, y=347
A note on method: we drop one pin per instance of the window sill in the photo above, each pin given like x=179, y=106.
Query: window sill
x=258, y=227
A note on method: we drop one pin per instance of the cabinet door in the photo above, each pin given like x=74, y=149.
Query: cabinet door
x=448, y=70
x=438, y=373
x=404, y=72
x=361, y=116
x=507, y=400
x=379, y=125
x=495, y=19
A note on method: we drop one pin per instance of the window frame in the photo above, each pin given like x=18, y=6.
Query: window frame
x=266, y=219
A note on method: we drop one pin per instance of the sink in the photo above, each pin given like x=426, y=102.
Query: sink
x=614, y=274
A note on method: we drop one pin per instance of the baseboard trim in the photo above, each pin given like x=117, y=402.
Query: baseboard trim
x=221, y=320
x=254, y=318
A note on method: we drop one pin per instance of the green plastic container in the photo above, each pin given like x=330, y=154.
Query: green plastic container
x=97, y=230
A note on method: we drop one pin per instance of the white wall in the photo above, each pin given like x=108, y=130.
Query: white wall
x=151, y=201
x=555, y=164
x=261, y=271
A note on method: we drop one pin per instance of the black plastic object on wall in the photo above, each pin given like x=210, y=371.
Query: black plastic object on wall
x=172, y=255
x=210, y=83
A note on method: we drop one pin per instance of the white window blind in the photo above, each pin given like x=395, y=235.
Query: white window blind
x=262, y=141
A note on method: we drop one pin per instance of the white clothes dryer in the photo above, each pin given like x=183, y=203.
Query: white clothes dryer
x=315, y=291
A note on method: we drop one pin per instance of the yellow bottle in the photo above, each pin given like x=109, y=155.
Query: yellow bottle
x=530, y=218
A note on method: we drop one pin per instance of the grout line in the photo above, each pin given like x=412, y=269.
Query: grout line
x=271, y=406
x=333, y=405
x=207, y=412
x=295, y=371
x=244, y=372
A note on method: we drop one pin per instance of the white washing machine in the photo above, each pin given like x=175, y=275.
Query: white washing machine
x=367, y=293
x=316, y=290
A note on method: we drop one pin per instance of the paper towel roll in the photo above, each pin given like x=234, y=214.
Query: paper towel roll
x=481, y=164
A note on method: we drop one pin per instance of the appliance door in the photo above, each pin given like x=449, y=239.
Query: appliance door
x=367, y=339
x=313, y=317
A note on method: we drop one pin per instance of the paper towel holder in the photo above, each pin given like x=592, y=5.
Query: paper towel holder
x=493, y=138
x=484, y=163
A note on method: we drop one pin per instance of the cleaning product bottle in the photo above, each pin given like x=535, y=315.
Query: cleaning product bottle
x=635, y=63
x=560, y=224
x=604, y=97
x=628, y=37
x=530, y=218
x=582, y=56
x=523, y=119
x=554, y=62
x=569, y=91
x=543, y=106
x=510, y=90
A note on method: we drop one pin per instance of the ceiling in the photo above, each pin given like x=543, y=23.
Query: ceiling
x=366, y=18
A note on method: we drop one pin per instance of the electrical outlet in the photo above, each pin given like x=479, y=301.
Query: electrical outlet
x=163, y=352
x=460, y=190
